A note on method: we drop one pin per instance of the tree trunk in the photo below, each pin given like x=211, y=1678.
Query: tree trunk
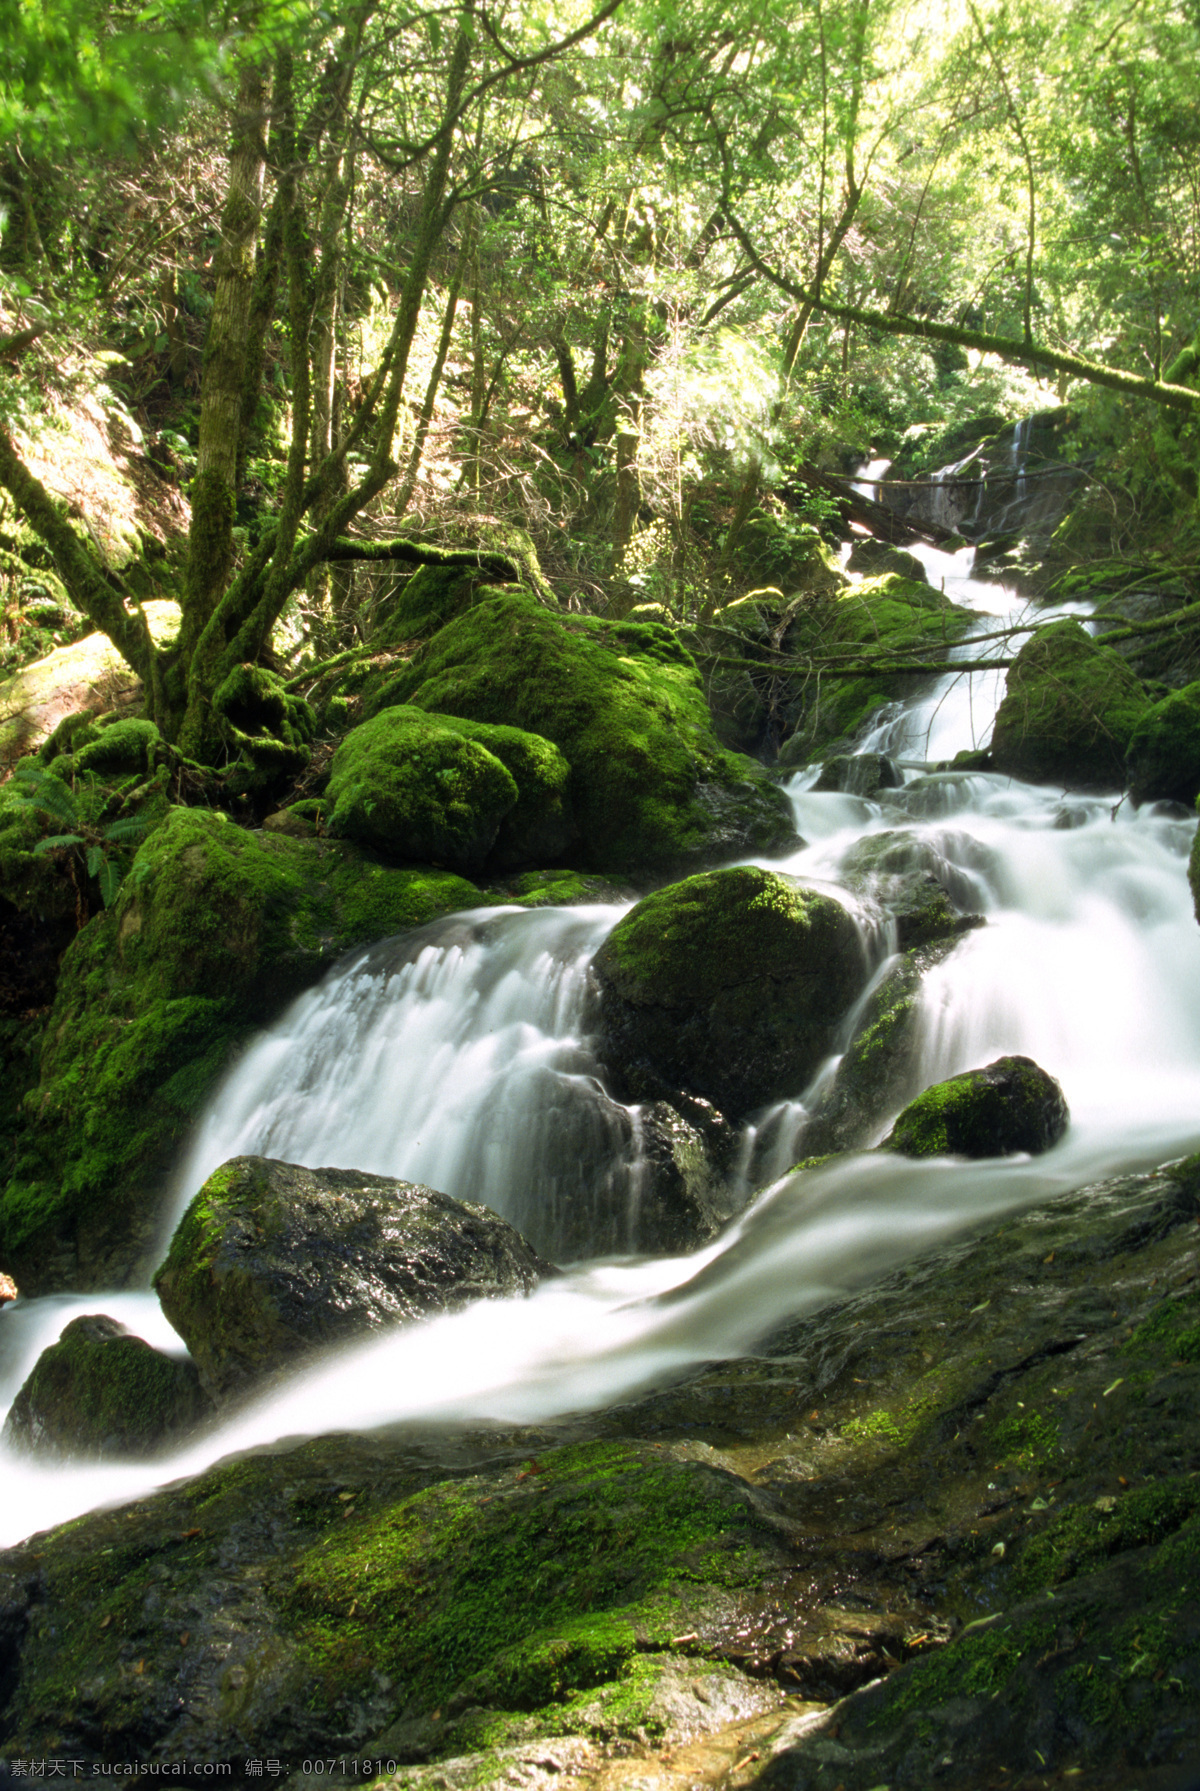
x=214, y=488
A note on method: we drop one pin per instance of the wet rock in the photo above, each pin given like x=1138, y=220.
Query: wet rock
x=1012, y=1105
x=272, y=1261
x=679, y=1198
x=728, y=985
x=1070, y=711
x=929, y=894
x=859, y=773
x=212, y=933
x=348, y=1593
x=1163, y=761
x=879, y=1070
x=99, y=1391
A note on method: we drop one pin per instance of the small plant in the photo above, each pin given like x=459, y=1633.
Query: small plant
x=86, y=836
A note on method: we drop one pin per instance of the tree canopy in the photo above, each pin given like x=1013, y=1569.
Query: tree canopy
x=611, y=271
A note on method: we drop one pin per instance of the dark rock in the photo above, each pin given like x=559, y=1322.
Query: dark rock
x=859, y=773
x=1070, y=710
x=272, y=1261
x=728, y=985
x=871, y=556
x=1012, y=1105
x=99, y=1391
x=1163, y=760
x=679, y=1200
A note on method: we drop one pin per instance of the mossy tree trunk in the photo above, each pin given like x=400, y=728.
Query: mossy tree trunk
x=214, y=488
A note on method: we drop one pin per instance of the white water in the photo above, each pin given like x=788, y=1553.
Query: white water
x=468, y=1066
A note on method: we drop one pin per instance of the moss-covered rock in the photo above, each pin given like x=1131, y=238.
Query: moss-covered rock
x=729, y=985
x=121, y=747
x=540, y=827
x=99, y=1391
x=551, y=889
x=360, y=1599
x=859, y=773
x=87, y=675
x=1163, y=758
x=1012, y=1105
x=653, y=792
x=1070, y=710
x=213, y=931
x=414, y=790
x=880, y=1067
x=272, y=1261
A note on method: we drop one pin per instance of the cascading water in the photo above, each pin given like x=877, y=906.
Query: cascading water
x=462, y=1059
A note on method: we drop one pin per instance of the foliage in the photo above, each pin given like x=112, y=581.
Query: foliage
x=78, y=809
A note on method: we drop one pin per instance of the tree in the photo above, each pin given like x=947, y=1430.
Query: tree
x=405, y=88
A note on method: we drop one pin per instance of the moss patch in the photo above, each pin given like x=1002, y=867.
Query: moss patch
x=1070, y=711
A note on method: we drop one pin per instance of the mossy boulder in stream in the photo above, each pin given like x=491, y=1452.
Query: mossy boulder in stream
x=99, y=1391
x=272, y=1261
x=1012, y=1105
x=879, y=618
x=728, y=985
x=1163, y=760
x=1070, y=711
x=214, y=930
x=652, y=790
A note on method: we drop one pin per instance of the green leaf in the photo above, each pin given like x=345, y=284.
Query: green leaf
x=95, y=860
x=127, y=828
x=110, y=882
x=54, y=840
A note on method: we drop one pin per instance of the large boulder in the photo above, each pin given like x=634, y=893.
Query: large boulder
x=1163, y=759
x=1012, y=1105
x=653, y=791
x=438, y=789
x=408, y=788
x=99, y=1391
x=728, y=985
x=272, y=1261
x=213, y=931
x=1070, y=711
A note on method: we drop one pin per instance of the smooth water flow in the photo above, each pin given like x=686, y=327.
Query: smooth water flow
x=460, y=1057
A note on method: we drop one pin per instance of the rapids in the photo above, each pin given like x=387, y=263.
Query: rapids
x=460, y=1057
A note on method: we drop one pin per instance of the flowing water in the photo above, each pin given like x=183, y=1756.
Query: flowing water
x=460, y=1057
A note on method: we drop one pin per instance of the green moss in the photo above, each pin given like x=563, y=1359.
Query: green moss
x=540, y=1590
x=1163, y=760
x=1083, y=1538
x=900, y=616
x=411, y=787
x=1025, y=1436
x=546, y=889
x=625, y=705
x=99, y=1390
x=1172, y=1331
x=979, y=1665
x=1071, y=708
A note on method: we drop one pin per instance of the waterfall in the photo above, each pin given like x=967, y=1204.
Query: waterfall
x=460, y=1056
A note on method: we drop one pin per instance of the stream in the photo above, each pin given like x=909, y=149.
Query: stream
x=460, y=1057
